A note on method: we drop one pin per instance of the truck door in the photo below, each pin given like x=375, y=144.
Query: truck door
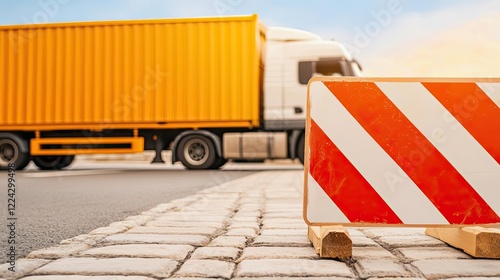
x=274, y=86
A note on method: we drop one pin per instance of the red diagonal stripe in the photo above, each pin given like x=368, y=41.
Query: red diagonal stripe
x=474, y=110
x=347, y=188
x=452, y=195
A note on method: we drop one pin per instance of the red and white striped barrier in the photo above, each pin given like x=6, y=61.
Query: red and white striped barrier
x=417, y=152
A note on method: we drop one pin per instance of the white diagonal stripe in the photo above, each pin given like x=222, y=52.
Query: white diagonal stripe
x=459, y=147
x=492, y=90
x=321, y=208
x=376, y=166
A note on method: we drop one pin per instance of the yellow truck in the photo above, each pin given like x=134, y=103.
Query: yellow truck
x=209, y=89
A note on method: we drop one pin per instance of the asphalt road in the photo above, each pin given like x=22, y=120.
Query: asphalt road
x=53, y=206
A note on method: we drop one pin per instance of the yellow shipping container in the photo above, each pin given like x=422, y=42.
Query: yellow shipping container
x=168, y=73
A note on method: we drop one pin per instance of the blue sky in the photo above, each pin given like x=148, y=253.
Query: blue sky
x=391, y=37
x=292, y=13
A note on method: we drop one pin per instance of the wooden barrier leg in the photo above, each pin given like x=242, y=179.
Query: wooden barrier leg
x=331, y=242
x=478, y=242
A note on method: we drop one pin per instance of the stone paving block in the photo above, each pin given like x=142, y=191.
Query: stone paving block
x=284, y=193
x=245, y=219
x=252, y=197
x=205, y=210
x=282, y=241
x=246, y=201
x=216, y=253
x=284, y=203
x=109, y=230
x=57, y=252
x=198, y=210
x=380, y=268
x=474, y=278
x=426, y=253
x=284, y=215
x=281, y=221
x=410, y=241
x=381, y=232
x=80, y=277
x=202, y=212
x=372, y=253
x=355, y=232
x=206, y=268
x=208, y=231
x=251, y=201
x=292, y=268
x=362, y=241
x=258, y=253
x=217, y=225
x=238, y=225
x=248, y=232
x=194, y=278
x=283, y=232
x=115, y=266
x=275, y=206
x=194, y=240
x=192, y=218
x=23, y=267
x=294, y=278
x=90, y=239
x=280, y=209
x=211, y=202
x=397, y=278
x=250, y=208
x=458, y=268
x=243, y=214
x=172, y=252
x=224, y=196
x=229, y=241
x=286, y=226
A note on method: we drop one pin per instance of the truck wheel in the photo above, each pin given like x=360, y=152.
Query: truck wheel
x=50, y=162
x=10, y=152
x=301, y=149
x=66, y=161
x=219, y=163
x=197, y=152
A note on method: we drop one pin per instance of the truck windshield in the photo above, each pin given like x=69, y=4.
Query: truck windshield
x=327, y=67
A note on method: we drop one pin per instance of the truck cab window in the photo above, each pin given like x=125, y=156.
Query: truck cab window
x=308, y=69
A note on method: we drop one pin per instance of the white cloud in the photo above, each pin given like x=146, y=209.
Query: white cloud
x=460, y=41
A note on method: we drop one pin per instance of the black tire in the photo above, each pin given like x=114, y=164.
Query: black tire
x=48, y=162
x=10, y=152
x=301, y=149
x=197, y=152
x=66, y=161
x=219, y=163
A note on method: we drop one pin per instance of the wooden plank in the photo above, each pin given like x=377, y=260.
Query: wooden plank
x=478, y=242
x=331, y=241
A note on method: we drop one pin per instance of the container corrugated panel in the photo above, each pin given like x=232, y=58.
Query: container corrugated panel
x=201, y=72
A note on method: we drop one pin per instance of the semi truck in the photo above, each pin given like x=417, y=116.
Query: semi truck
x=209, y=89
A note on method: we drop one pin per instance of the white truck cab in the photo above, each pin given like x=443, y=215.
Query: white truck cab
x=292, y=58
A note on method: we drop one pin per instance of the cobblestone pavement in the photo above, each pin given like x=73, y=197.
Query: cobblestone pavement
x=250, y=228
